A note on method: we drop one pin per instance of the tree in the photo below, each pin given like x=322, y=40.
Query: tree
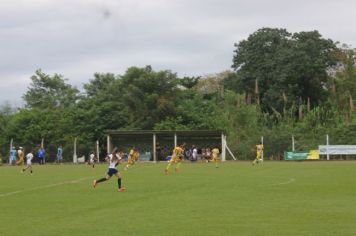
x=189, y=82
x=312, y=57
x=149, y=96
x=48, y=91
x=100, y=83
x=100, y=109
x=260, y=58
x=288, y=68
x=344, y=77
x=138, y=99
x=212, y=84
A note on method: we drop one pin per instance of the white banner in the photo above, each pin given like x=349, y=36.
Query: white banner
x=337, y=149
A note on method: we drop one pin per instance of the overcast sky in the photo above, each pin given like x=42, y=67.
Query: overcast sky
x=77, y=38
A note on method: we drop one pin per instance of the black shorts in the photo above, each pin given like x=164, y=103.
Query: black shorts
x=112, y=171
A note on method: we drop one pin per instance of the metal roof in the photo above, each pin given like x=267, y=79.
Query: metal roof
x=190, y=133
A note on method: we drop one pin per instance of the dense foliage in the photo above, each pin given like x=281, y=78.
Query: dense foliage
x=283, y=84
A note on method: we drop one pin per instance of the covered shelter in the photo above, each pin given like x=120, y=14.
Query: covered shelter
x=156, y=144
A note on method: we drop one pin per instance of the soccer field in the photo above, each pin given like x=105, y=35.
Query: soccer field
x=275, y=198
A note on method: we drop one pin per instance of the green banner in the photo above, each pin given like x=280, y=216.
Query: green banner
x=296, y=156
x=300, y=156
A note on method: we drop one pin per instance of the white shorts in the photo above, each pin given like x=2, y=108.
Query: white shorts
x=29, y=163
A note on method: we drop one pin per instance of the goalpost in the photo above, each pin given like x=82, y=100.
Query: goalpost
x=224, y=148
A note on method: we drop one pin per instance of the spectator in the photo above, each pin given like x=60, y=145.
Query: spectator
x=13, y=155
x=59, y=154
x=207, y=154
x=203, y=154
x=188, y=154
x=194, y=153
x=41, y=156
x=159, y=152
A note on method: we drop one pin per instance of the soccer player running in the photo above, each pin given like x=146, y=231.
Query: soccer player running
x=114, y=160
x=259, y=151
x=91, y=159
x=214, y=156
x=21, y=156
x=29, y=158
x=176, y=158
x=133, y=157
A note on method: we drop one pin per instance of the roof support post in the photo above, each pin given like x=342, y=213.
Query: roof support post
x=154, y=148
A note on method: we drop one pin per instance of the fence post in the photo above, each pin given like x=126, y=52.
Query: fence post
x=293, y=143
x=42, y=146
x=154, y=148
x=263, y=148
x=108, y=144
x=11, y=143
x=327, y=148
x=97, y=151
x=175, y=140
x=75, y=160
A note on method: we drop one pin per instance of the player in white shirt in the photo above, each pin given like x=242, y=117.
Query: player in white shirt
x=92, y=159
x=114, y=160
x=29, y=158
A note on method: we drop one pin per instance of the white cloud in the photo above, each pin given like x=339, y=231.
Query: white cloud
x=79, y=37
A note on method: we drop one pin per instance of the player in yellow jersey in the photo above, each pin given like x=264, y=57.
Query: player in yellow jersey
x=214, y=156
x=21, y=156
x=259, y=151
x=177, y=157
x=133, y=157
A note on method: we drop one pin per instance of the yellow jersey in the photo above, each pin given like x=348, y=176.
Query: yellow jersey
x=133, y=155
x=178, y=152
x=259, y=148
x=215, y=152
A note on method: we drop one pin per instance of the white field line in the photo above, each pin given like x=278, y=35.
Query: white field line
x=281, y=183
x=45, y=186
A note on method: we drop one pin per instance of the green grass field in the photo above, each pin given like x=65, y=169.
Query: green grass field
x=275, y=198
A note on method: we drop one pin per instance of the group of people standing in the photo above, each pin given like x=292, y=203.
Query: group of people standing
x=17, y=156
x=204, y=154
